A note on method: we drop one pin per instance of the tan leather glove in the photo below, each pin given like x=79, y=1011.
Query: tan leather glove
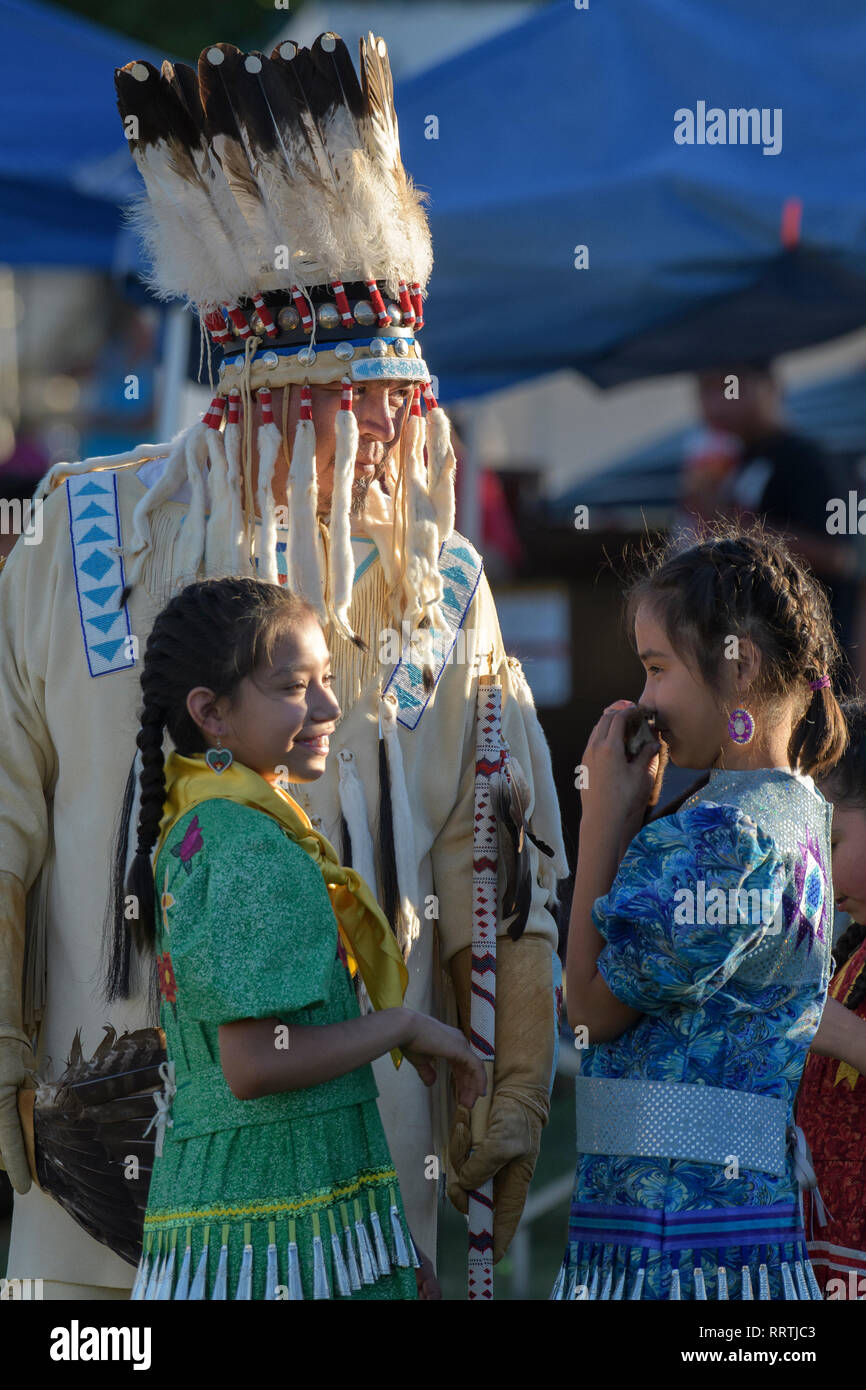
x=505, y=1127
x=16, y=1058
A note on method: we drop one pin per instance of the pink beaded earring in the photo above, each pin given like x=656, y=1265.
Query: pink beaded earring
x=741, y=726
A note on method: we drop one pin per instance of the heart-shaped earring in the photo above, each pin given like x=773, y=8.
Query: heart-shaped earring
x=219, y=758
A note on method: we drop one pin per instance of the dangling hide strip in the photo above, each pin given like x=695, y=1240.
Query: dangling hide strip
x=232, y=439
x=269, y=445
x=219, y=550
x=354, y=808
x=422, y=582
x=306, y=578
x=191, y=542
x=408, y=924
x=441, y=469
x=172, y=478
x=341, y=564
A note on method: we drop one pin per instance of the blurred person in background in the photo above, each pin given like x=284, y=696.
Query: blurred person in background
x=778, y=475
x=118, y=406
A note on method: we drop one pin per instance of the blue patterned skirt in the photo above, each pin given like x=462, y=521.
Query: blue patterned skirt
x=741, y=1252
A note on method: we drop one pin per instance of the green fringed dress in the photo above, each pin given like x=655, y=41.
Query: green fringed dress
x=291, y=1195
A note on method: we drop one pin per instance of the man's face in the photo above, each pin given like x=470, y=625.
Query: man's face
x=380, y=410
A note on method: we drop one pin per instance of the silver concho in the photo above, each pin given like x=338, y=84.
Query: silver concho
x=288, y=318
x=269, y=359
x=344, y=351
x=401, y=347
x=418, y=349
x=307, y=356
x=328, y=316
x=364, y=312
x=257, y=326
x=395, y=311
x=378, y=348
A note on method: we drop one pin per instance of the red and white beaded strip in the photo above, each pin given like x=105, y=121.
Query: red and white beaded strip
x=406, y=306
x=416, y=301
x=234, y=407
x=429, y=399
x=214, y=414
x=265, y=316
x=342, y=303
x=346, y=394
x=216, y=326
x=239, y=319
x=482, y=1012
x=416, y=401
x=303, y=309
x=264, y=396
x=306, y=411
x=378, y=303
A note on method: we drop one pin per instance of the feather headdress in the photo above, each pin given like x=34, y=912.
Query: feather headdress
x=277, y=207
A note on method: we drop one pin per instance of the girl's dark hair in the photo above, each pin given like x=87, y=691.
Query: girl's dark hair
x=746, y=583
x=845, y=785
x=214, y=634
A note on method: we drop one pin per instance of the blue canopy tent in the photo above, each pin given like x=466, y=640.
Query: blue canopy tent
x=64, y=165
x=560, y=133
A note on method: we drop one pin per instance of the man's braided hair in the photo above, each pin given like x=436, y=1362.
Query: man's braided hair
x=213, y=634
x=746, y=583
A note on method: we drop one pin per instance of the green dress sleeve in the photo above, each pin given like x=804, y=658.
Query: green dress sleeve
x=252, y=930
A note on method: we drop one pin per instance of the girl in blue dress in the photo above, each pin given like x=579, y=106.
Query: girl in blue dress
x=699, y=945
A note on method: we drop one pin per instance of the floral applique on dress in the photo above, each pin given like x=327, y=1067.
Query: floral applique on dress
x=190, y=845
x=164, y=967
x=167, y=982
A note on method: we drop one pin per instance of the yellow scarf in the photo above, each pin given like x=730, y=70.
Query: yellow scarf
x=367, y=937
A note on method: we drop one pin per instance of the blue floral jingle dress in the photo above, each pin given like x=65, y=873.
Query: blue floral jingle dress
x=730, y=1004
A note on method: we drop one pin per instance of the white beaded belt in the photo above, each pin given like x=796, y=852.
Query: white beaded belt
x=671, y=1119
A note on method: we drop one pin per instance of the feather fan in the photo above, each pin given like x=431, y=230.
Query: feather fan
x=89, y=1124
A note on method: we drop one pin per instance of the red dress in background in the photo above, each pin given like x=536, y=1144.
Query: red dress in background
x=832, y=1113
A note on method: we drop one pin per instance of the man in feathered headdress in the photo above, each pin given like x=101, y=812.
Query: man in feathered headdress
x=278, y=207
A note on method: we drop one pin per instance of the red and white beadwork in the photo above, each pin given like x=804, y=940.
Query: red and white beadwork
x=406, y=308
x=303, y=309
x=239, y=319
x=343, y=303
x=214, y=413
x=216, y=326
x=378, y=303
x=485, y=850
x=265, y=315
x=417, y=305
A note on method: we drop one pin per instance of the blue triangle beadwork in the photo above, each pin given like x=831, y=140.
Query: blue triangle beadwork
x=406, y=680
x=95, y=556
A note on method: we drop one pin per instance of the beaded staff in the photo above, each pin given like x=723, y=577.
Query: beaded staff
x=485, y=850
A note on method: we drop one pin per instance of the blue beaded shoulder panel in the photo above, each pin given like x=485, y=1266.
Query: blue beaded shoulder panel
x=94, y=531
x=460, y=566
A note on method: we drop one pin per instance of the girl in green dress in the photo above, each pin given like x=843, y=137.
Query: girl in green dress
x=273, y=1177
